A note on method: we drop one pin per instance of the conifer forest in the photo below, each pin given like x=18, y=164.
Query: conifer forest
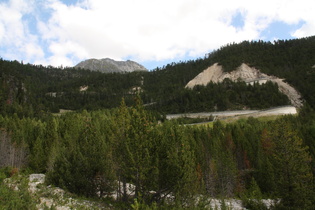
x=98, y=142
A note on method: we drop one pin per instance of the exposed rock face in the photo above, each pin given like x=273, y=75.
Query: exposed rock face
x=247, y=74
x=108, y=65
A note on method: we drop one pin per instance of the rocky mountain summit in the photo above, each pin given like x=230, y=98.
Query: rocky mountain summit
x=108, y=65
x=247, y=74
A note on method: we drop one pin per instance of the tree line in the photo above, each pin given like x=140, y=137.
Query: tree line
x=223, y=96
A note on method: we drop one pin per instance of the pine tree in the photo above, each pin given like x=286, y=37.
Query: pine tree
x=291, y=164
x=139, y=148
x=121, y=126
x=83, y=163
x=135, y=148
x=178, y=173
x=51, y=142
x=38, y=156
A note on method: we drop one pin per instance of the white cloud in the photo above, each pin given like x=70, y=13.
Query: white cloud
x=303, y=11
x=141, y=29
x=16, y=41
x=33, y=50
x=306, y=30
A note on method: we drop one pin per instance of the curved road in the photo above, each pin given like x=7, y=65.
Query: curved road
x=283, y=110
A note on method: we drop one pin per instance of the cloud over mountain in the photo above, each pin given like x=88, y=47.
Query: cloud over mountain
x=56, y=32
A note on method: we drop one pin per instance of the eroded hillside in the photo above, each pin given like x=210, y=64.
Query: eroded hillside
x=247, y=74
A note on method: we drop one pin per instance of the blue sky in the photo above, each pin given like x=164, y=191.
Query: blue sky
x=150, y=32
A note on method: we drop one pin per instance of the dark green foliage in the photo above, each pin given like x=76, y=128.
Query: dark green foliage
x=223, y=96
x=90, y=152
x=136, y=158
x=189, y=120
x=178, y=166
x=289, y=59
x=12, y=199
x=86, y=152
x=153, y=157
x=83, y=163
x=32, y=90
x=291, y=161
x=252, y=197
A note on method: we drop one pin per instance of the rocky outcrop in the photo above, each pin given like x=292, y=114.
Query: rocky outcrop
x=50, y=197
x=247, y=74
x=108, y=65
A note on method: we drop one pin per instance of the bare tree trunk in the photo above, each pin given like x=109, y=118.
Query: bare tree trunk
x=11, y=154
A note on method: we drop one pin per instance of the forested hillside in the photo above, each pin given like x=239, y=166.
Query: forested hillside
x=37, y=88
x=292, y=60
x=115, y=136
x=97, y=153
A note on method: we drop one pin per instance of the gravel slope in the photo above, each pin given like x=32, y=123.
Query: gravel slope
x=247, y=74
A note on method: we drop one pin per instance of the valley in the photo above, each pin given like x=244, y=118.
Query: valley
x=125, y=131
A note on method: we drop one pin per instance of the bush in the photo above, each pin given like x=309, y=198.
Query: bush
x=15, y=199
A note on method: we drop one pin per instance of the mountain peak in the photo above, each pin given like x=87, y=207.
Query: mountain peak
x=108, y=65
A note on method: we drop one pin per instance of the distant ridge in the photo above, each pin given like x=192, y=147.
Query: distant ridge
x=107, y=65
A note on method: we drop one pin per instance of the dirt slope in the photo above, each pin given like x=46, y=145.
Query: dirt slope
x=248, y=74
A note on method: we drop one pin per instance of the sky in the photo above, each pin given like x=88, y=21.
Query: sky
x=150, y=32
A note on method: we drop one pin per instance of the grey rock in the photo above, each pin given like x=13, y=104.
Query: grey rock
x=108, y=65
x=40, y=178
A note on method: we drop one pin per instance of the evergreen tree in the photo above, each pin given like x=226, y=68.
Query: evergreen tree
x=291, y=163
x=83, y=163
x=51, y=142
x=135, y=149
x=178, y=169
x=121, y=126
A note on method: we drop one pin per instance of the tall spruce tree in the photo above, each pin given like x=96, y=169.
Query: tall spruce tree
x=83, y=163
x=291, y=164
x=135, y=148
